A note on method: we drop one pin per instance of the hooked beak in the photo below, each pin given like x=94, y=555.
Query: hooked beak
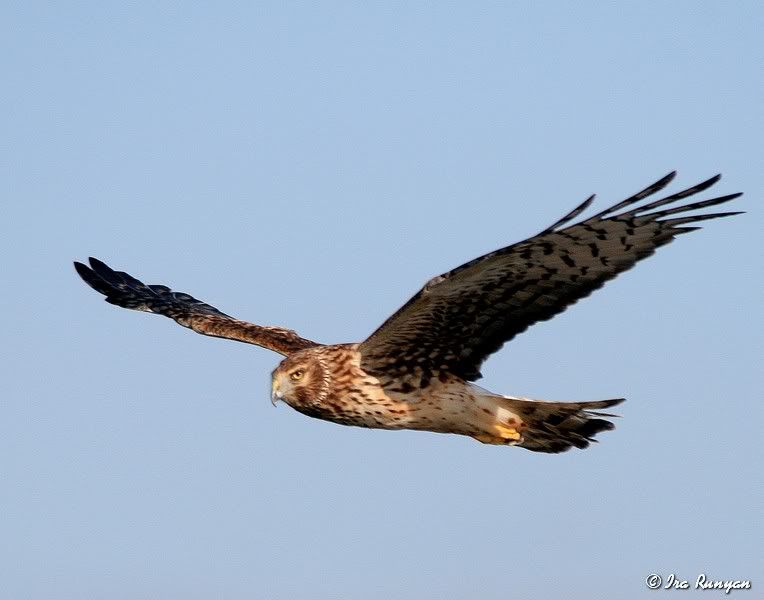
x=276, y=393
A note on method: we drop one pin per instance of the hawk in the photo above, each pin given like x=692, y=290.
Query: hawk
x=417, y=370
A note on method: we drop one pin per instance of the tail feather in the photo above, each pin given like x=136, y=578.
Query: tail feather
x=558, y=426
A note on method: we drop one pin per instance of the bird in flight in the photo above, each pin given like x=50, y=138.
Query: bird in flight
x=416, y=371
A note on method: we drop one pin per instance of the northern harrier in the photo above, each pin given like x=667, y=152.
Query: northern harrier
x=415, y=371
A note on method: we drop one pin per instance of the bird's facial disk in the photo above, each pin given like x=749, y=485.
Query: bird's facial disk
x=287, y=383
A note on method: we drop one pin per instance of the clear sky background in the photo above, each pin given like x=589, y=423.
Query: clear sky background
x=311, y=166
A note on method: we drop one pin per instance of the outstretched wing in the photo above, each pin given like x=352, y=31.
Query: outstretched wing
x=461, y=317
x=126, y=291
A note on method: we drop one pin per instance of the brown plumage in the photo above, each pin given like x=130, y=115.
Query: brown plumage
x=126, y=291
x=414, y=371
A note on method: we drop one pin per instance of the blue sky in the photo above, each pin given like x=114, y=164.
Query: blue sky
x=311, y=165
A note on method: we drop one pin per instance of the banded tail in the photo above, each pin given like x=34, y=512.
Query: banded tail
x=542, y=426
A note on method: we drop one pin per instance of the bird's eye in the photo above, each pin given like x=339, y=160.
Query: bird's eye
x=296, y=376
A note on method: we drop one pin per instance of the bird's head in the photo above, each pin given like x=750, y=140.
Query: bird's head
x=299, y=380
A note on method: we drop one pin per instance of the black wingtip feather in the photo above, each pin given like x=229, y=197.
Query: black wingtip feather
x=701, y=187
x=696, y=218
x=657, y=186
x=572, y=214
x=92, y=278
x=689, y=207
x=641, y=195
x=80, y=268
x=83, y=271
x=101, y=268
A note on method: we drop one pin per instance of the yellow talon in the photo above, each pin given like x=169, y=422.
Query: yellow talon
x=507, y=433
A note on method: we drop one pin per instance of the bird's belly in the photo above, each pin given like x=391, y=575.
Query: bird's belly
x=438, y=408
x=362, y=410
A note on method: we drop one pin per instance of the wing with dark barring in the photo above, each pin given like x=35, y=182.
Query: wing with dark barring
x=461, y=317
x=126, y=291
